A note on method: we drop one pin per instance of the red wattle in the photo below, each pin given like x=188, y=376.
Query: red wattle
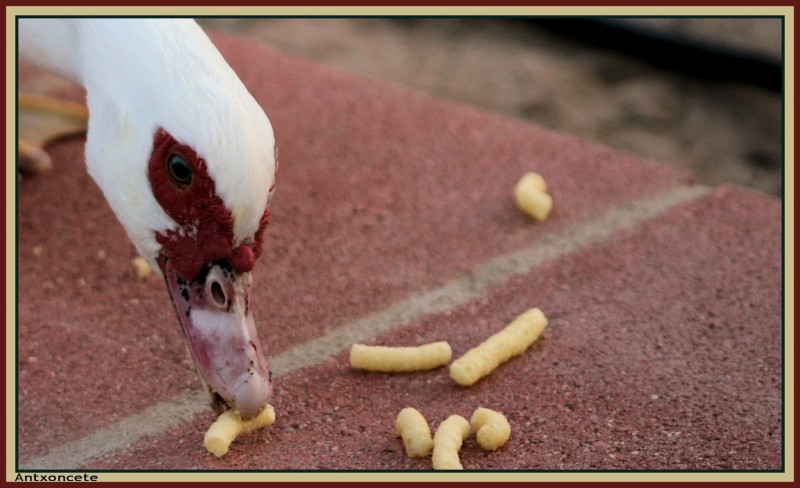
x=243, y=259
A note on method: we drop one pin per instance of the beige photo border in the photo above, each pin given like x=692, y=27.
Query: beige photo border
x=276, y=476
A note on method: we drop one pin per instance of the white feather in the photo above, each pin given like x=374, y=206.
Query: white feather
x=142, y=74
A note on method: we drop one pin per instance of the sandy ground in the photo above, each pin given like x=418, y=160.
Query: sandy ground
x=726, y=132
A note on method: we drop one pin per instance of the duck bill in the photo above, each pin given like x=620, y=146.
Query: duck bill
x=214, y=312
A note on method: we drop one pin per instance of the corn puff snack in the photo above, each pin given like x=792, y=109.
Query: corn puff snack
x=414, y=430
x=531, y=196
x=513, y=340
x=491, y=428
x=400, y=359
x=141, y=267
x=447, y=441
x=230, y=425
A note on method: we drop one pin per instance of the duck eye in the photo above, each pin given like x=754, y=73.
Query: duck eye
x=179, y=170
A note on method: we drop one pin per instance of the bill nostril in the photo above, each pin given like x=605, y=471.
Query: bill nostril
x=218, y=294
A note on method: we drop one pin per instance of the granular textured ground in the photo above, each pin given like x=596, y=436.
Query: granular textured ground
x=651, y=361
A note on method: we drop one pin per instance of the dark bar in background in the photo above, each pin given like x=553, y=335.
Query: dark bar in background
x=670, y=51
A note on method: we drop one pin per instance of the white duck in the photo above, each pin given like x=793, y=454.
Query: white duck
x=185, y=156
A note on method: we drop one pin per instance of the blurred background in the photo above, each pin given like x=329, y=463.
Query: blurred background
x=701, y=93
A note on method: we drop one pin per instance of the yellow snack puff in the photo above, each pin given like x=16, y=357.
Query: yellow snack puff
x=414, y=430
x=531, y=196
x=447, y=441
x=387, y=359
x=513, y=340
x=230, y=425
x=141, y=267
x=491, y=428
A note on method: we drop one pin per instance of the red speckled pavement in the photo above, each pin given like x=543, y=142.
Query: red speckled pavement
x=393, y=224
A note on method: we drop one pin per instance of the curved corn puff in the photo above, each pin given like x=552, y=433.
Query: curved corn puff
x=513, y=340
